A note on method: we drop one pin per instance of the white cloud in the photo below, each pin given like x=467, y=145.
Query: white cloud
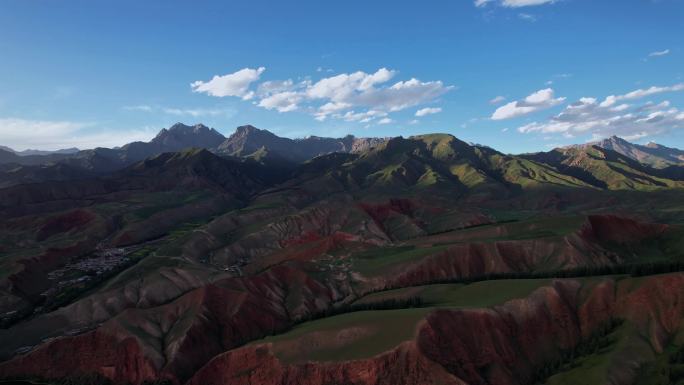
x=363, y=117
x=356, y=96
x=514, y=3
x=640, y=93
x=345, y=86
x=497, y=100
x=525, y=3
x=385, y=121
x=587, y=116
x=235, y=84
x=334, y=107
x=428, y=111
x=400, y=95
x=659, y=53
x=537, y=101
x=21, y=134
x=527, y=17
x=283, y=101
x=330, y=108
x=481, y=3
x=275, y=86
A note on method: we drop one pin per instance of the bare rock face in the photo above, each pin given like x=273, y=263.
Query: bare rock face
x=506, y=344
x=517, y=338
x=256, y=365
x=175, y=339
x=610, y=228
x=115, y=357
x=652, y=153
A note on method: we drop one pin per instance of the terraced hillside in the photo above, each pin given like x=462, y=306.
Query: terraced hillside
x=415, y=260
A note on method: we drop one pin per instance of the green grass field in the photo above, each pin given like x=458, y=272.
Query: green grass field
x=364, y=334
x=379, y=261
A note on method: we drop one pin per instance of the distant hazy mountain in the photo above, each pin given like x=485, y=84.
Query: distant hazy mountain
x=249, y=141
x=652, y=154
x=30, y=152
x=175, y=138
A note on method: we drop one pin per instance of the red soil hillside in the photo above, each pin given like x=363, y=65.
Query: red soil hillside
x=503, y=345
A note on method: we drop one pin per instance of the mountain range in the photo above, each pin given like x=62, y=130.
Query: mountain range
x=249, y=142
x=255, y=259
x=246, y=142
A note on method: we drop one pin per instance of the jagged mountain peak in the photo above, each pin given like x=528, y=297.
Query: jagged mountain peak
x=247, y=129
x=652, y=154
x=612, y=141
x=180, y=136
x=249, y=141
x=181, y=128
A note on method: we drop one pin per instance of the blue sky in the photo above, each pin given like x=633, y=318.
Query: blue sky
x=518, y=75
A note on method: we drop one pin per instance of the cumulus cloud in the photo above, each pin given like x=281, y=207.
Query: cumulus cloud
x=513, y=3
x=283, y=101
x=345, y=86
x=356, y=96
x=640, y=93
x=363, y=117
x=385, y=121
x=537, y=101
x=400, y=95
x=659, y=53
x=234, y=84
x=428, y=111
x=588, y=116
x=21, y=134
x=274, y=86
